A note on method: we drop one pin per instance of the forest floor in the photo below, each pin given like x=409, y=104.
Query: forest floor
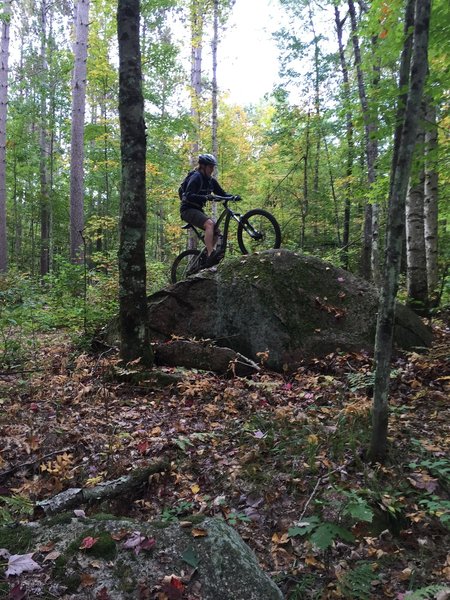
x=281, y=458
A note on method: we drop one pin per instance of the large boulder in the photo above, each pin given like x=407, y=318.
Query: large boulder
x=294, y=307
x=79, y=558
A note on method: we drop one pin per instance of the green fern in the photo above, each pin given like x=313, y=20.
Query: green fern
x=428, y=593
x=357, y=583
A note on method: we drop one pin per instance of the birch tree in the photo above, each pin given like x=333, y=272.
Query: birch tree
x=133, y=311
x=413, y=76
x=4, y=57
x=44, y=144
x=77, y=131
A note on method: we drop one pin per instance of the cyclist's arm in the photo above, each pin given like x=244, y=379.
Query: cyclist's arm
x=218, y=190
x=194, y=190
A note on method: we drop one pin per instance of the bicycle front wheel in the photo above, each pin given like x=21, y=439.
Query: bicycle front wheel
x=187, y=263
x=258, y=230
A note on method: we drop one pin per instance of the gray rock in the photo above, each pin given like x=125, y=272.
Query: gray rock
x=295, y=307
x=214, y=566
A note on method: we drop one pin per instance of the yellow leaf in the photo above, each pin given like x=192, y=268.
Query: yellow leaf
x=195, y=488
x=197, y=532
x=280, y=539
x=312, y=439
x=405, y=574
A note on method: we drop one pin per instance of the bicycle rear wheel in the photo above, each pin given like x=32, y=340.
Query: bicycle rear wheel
x=258, y=230
x=187, y=263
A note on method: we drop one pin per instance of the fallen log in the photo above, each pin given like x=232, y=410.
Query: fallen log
x=127, y=486
x=204, y=356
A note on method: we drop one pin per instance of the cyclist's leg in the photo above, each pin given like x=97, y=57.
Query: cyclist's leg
x=198, y=218
x=210, y=237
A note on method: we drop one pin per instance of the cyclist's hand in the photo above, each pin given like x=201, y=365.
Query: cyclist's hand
x=237, y=198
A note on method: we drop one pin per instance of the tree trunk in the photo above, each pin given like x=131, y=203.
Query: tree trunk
x=44, y=147
x=134, y=335
x=416, y=274
x=401, y=169
x=371, y=150
x=375, y=251
x=318, y=128
x=77, y=139
x=349, y=137
x=196, y=85
x=196, y=70
x=304, y=208
x=4, y=57
x=431, y=200
x=214, y=119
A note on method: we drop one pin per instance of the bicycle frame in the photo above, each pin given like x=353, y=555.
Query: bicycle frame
x=225, y=217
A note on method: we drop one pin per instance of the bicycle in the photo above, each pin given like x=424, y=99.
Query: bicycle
x=257, y=230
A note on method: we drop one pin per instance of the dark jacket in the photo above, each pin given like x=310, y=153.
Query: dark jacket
x=197, y=189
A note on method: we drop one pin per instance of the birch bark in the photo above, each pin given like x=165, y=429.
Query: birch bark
x=4, y=58
x=401, y=169
x=77, y=137
x=44, y=147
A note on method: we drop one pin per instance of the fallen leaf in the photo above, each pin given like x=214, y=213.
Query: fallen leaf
x=17, y=593
x=198, y=532
x=138, y=542
x=173, y=587
x=21, y=563
x=102, y=594
x=88, y=542
x=87, y=580
x=52, y=555
x=120, y=535
x=47, y=547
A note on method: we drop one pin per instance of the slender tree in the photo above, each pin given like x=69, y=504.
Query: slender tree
x=431, y=200
x=133, y=311
x=77, y=137
x=416, y=271
x=4, y=57
x=349, y=137
x=370, y=126
x=404, y=142
x=44, y=143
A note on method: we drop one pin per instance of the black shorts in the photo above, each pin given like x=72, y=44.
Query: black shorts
x=194, y=216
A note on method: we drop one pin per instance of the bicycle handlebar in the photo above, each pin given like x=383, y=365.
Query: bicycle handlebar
x=215, y=198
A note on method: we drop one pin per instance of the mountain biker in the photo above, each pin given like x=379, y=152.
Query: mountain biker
x=199, y=189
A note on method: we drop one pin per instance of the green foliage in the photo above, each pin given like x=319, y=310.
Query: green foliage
x=437, y=507
x=14, y=508
x=358, y=508
x=19, y=301
x=438, y=467
x=157, y=276
x=309, y=586
x=361, y=381
x=428, y=593
x=235, y=517
x=171, y=515
x=321, y=534
x=356, y=584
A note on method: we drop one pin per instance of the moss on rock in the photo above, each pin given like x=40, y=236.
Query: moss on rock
x=17, y=539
